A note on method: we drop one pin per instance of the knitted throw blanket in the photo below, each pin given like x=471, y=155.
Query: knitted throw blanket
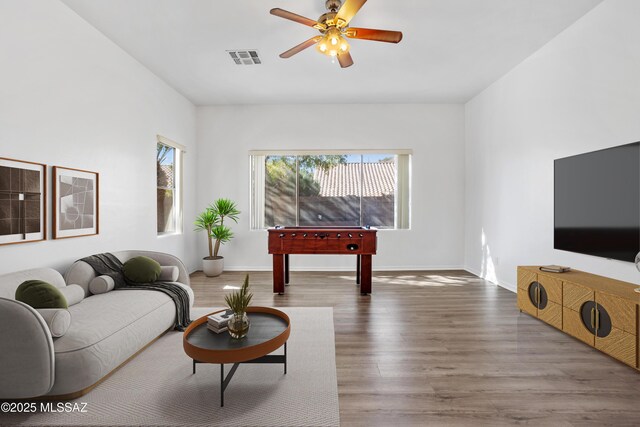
x=107, y=264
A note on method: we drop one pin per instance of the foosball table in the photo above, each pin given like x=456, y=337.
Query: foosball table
x=359, y=241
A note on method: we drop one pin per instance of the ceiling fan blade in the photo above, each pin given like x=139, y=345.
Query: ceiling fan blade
x=375, y=35
x=293, y=17
x=348, y=11
x=302, y=46
x=345, y=60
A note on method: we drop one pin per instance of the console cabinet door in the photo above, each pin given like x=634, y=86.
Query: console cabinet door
x=552, y=314
x=621, y=311
x=572, y=325
x=525, y=304
x=525, y=279
x=574, y=296
x=620, y=345
x=617, y=336
x=551, y=311
x=553, y=287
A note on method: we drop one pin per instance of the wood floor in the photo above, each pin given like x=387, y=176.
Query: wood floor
x=447, y=348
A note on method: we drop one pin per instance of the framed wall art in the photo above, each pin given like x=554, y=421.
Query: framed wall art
x=23, y=201
x=75, y=203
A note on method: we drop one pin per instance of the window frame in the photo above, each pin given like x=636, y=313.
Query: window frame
x=402, y=209
x=178, y=198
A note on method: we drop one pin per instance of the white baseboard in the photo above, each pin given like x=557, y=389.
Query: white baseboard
x=503, y=284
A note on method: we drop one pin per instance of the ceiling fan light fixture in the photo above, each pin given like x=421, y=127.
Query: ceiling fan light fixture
x=334, y=27
x=332, y=43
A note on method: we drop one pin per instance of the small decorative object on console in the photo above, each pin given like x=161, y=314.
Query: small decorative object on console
x=555, y=268
x=238, y=302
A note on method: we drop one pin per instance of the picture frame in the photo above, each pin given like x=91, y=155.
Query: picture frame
x=76, y=203
x=23, y=201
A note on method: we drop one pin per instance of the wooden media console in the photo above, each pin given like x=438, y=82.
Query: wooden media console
x=597, y=310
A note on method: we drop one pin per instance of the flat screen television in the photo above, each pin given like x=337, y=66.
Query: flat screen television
x=597, y=203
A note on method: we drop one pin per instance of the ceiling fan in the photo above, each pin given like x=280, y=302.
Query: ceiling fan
x=333, y=27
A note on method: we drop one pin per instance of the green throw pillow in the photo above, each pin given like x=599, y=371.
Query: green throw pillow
x=39, y=294
x=142, y=269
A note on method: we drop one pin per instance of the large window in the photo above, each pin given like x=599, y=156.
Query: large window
x=168, y=192
x=330, y=189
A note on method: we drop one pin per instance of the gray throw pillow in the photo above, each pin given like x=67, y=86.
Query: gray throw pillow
x=57, y=319
x=169, y=273
x=101, y=285
x=73, y=293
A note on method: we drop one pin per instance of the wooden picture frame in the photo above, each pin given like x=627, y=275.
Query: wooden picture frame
x=23, y=201
x=76, y=203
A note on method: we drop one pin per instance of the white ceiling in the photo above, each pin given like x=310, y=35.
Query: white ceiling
x=452, y=49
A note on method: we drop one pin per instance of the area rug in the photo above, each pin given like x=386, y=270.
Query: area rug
x=158, y=388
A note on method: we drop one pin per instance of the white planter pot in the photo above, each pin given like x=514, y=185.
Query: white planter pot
x=213, y=267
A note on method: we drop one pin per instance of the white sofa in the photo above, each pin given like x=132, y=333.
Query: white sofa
x=105, y=331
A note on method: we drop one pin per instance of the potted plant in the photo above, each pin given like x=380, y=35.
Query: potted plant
x=212, y=221
x=238, y=301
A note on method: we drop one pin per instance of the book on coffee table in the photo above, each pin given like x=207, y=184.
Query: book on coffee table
x=216, y=329
x=219, y=319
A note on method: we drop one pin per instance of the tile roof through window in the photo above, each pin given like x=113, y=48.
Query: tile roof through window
x=344, y=180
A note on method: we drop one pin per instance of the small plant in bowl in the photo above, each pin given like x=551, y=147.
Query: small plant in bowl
x=238, y=301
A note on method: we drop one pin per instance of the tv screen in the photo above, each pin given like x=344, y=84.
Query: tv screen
x=597, y=203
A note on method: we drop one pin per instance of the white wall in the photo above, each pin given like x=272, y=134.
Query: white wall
x=434, y=132
x=581, y=92
x=70, y=97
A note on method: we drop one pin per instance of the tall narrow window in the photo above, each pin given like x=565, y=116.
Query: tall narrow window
x=318, y=188
x=169, y=186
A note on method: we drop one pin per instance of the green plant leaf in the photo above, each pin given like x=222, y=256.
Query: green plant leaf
x=221, y=233
x=206, y=220
x=225, y=208
x=239, y=300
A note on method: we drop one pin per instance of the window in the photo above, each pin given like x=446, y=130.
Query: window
x=318, y=188
x=169, y=186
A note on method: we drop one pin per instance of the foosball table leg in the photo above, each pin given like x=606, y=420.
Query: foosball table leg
x=278, y=274
x=286, y=269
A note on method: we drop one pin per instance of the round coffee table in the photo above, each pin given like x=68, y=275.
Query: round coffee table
x=270, y=329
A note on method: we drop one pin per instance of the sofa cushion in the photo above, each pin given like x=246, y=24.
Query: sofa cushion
x=100, y=316
x=10, y=282
x=57, y=319
x=142, y=269
x=40, y=294
x=72, y=293
x=169, y=273
x=101, y=285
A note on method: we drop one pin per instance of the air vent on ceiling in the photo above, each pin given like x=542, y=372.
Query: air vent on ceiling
x=245, y=57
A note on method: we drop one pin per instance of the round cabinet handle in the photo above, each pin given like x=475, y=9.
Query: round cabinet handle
x=361, y=235
x=315, y=235
x=282, y=235
x=305, y=235
x=338, y=235
x=294, y=235
x=350, y=235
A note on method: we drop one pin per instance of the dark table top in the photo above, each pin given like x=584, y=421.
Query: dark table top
x=264, y=327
